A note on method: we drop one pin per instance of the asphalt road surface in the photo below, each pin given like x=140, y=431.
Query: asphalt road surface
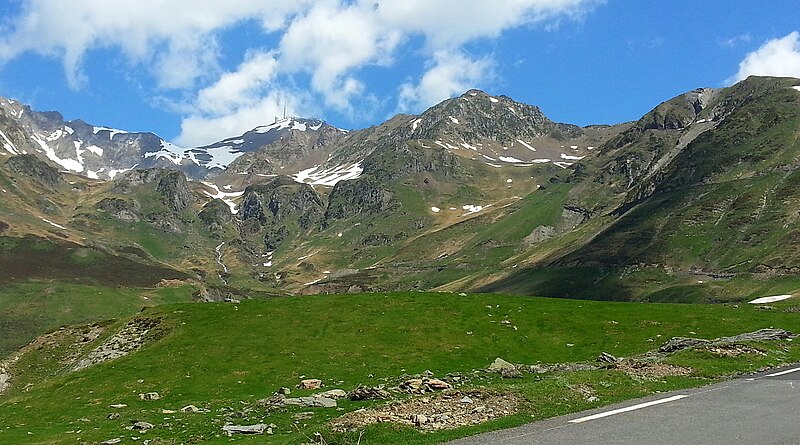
x=760, y=410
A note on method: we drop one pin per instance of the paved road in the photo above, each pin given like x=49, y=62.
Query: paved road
x=762, y=410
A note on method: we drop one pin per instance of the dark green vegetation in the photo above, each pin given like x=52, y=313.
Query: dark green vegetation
x=225, y=357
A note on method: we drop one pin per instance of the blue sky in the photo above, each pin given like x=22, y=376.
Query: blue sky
x=198, y=71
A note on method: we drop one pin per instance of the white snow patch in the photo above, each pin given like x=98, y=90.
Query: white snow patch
x=796, y=87
x=8, y=145
x=454, y=120
x=111, y=131
x=113, y=173
x=54, y=224
x=540, y=161
x=221, y=157
x=571, y=158
x=92, y=174
x=164, y=154
x=574, y=147
x=285, y=123
x=54, y=136
x=493, y=100
x=489, y=158
x=435, y=209
x=528, y=146
x=268, y=256
x=69, y=129
x=590, y=148
x=511, y=160
x=472, y=208
x=95, y=149
x=415, y=124
x=74, y=165
x=563, y=165
x=469, y=147
x=328, y=177
x=772, y=299
x=493, y=165
x=339, y=235
x=226, y=197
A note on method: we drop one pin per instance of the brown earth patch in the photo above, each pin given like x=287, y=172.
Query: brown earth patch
x=446, y=410
x=652, y=370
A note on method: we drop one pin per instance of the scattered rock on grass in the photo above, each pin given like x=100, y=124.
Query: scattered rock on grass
x=504, y=368
x=333, y=394
x=141, y=426
x=193, y=409
x=676, y=344
x=259, y=428
x=437, y=384
x=150, y=396
x=310, y=384
x=760, y=335
x=607, y=358
x=311, y=402
x=369, y=393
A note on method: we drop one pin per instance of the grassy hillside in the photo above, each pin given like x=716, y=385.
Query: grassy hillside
x=225, y=357
x=47, y=283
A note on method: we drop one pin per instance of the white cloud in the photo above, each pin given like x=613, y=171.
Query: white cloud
x=239, y=101
x=323, y=47
x=331, y=41
x=448, y=25
x=777, y=57
x=448, y=74
x=177, y=35
x=203, y=129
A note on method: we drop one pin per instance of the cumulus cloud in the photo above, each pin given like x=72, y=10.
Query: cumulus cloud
x=323, y=47
x=239, y=101
x=332, y=41
x=777, y=57
x=448, y=74
x=178, y=36
x=203, y=129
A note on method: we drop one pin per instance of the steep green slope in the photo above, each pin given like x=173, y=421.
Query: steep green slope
x=694, y=222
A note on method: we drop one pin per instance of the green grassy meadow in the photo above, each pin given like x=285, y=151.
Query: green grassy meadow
x=225, y=357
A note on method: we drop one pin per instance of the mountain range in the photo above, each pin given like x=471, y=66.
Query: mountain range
x=696, y=201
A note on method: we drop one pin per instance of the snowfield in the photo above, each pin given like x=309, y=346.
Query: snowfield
x=772, y=299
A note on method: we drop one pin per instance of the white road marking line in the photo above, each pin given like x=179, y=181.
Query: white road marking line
x=629, y=408
x=788, y=371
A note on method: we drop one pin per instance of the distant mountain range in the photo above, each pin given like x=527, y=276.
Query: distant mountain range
x=696, y=201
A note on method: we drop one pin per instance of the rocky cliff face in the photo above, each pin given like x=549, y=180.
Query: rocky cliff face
x=279, y=208
x=365, y=196
x=32, y=167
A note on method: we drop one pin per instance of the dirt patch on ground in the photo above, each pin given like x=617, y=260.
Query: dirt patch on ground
x=450, y=409
x=651, y=370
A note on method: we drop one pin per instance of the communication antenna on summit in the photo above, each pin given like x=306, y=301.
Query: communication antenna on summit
x=284, y=111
